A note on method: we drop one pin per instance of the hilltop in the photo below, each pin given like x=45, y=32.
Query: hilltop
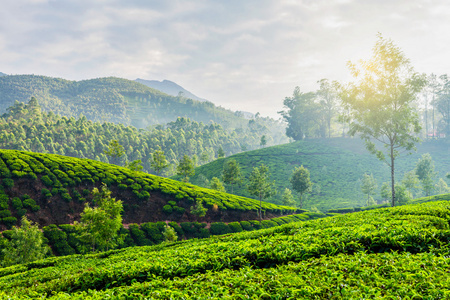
x=336, y=166
x=383, y=253
x=52, y=189
x=170, y=88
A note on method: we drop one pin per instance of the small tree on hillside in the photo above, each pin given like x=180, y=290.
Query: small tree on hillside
x=115, y=151
x=99, y=226
x=385, y=191
x=442, y=187
x=217, y=185
x=231, y=173
x=158, y=161
x=260, y=186
x=26, y=244
x=198, y=209
x=368, y=186
x=186, y=168
x=135, y=166
x=169, y=234
x=411, y=181
x=263, y=142
x=425, y=172
x=220, y=152
x=287, y=198
x=301, y=182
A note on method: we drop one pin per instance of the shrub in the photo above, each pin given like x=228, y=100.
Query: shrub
x=21, y=212
x=153, y=232
x=179, y=210
x=138, y=235
x=246, y=226
x=167, y=209
x=219, y=228
x=66, y=197
x=5, y=213
x=46, y=193
x=177, y=228
x=268, y=224
x=235, y=227
x=173, y=203
x=122, y=186
x=58, y=240
x=16, y=203
x=9, y=221
x=8, y=183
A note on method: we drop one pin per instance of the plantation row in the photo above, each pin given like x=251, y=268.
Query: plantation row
x=361, y=255
x=64, y=239
x=71, y=179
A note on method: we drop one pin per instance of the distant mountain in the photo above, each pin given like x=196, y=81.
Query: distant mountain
x=3, y=74
x=169, y=88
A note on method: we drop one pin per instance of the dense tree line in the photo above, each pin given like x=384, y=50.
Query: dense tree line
x=27, y=127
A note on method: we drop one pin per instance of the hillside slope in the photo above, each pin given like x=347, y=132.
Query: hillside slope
x=336, y=166
x=388, y=253
x=52, y=189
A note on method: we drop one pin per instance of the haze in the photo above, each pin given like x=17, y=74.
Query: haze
x=242, y=55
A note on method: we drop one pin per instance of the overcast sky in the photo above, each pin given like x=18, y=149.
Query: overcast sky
x=242, y=55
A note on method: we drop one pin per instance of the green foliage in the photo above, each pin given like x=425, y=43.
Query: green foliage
x=169, y=234
x=425, y=173
x=185, y=168
x=158, y=161
x=8, y=183
x=216, y=184
x=138, y=235
x=231, y=173
x=301, y=182
x=99, y=226
x=167, y=209
x=380, y=103
x=368, y=186
x=198, y=209
x=115, y=151
x=287, y=198
x=219, y=228
x=26, y=244
x=58, y=239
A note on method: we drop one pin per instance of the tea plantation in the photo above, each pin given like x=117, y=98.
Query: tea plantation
x=389, y=253
x=52, y=189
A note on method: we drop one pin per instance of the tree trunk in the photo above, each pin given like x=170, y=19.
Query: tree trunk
x=260, y=205
x=392, y=174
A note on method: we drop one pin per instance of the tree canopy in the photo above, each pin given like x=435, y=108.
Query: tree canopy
x=380, y=103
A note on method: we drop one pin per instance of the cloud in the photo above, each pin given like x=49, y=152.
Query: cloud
x=246, y=55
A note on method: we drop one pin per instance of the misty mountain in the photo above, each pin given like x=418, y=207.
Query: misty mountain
x=3, y=74
x=170, y=88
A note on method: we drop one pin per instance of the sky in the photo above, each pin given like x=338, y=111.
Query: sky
x=243, y=55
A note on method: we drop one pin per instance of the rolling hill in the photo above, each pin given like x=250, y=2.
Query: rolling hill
x=124, y=101
x=386, y=253
x=52, y=189
x=336, y=166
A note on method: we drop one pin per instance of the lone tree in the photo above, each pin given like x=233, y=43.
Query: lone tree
x=216, y=184
x=158, y=161
x=99, y=226
x=186, y=168
x=379, y=104
x=231, y=173
x=26, y=245
x=115, y=151
x=368, y=186
x=300, y=182
x=260, y=186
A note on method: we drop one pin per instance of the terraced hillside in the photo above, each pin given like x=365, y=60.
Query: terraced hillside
x=52, y=189
x=336, y=165
x=391, y=253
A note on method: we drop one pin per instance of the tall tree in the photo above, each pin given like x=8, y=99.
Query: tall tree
x=301, y=182
x=26, y=244
x=380, y=104
x=368, y=185
x=287, y=198
x=443, y=104
x=99, y=226
x=260, y=186
x=425, y=172
x=231, y=173
x=186, y=168
x=328, y=95
x=300, y=114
